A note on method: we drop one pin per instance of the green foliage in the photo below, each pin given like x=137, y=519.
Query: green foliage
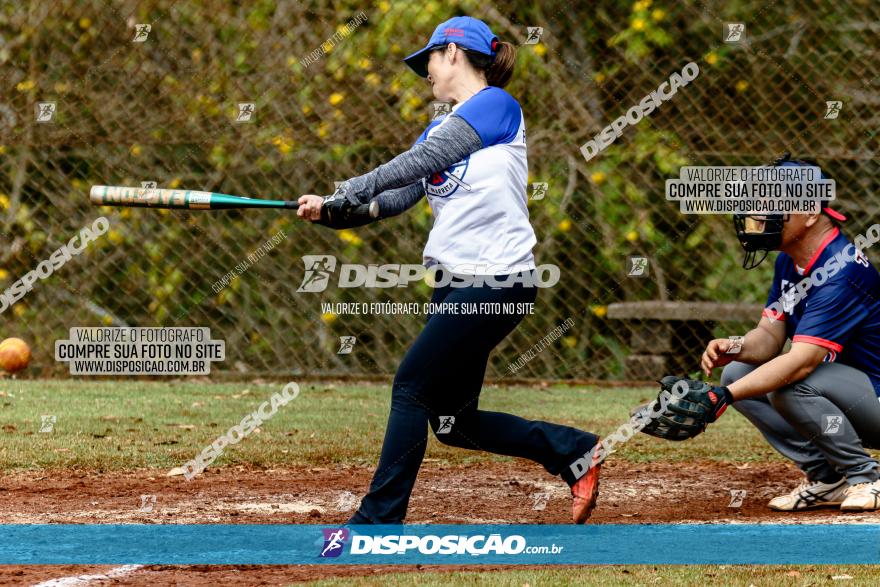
x=164, y=110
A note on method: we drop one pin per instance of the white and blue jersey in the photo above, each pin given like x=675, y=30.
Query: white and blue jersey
x=481, y=217
x=842, y=314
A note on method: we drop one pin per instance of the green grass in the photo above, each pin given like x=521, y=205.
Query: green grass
x=666, y=576
x=116, y=425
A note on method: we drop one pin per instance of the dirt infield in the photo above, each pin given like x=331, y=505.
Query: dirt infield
x=514, y=492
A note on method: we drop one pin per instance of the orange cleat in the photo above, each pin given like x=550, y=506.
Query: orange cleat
x=585, y=491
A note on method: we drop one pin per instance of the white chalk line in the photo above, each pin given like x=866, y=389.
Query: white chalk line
x=86, y=579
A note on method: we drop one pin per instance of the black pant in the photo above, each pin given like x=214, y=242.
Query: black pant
x=441, y=377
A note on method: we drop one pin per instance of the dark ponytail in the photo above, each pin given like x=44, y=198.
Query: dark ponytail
x=499, y=72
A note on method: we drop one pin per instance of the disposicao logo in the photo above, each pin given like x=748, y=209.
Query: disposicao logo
x=334, y=542
x=320, y=268
x=449, y=544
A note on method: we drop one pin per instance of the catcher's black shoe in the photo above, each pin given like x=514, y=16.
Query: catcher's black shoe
x=585, y=491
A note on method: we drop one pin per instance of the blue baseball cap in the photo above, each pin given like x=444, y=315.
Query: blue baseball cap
x=464, y=31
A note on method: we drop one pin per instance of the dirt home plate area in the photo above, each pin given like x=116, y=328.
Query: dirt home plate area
x=478, y=494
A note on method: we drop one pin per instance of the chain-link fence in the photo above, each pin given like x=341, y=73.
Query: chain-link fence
x=119, y=93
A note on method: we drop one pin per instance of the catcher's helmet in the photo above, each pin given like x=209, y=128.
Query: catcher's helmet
x=763, y=232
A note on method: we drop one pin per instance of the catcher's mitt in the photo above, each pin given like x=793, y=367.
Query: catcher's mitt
x=683, y=409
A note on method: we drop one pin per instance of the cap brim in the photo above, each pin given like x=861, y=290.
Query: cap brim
x=418, y=61
x=835, y=214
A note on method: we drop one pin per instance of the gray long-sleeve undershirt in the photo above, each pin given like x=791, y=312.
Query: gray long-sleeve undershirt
x=398, y=200
x=398, y=182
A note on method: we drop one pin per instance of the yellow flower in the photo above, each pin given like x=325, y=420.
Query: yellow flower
x=328, y=317
x=540, y=49
x=414, y=101
x=632, y=236
x=2, y=149
x=174, y=183
x=336, y=98
x=598, y=177
x=61, y=88
x=599, y=77
x=306, y=109
x=638, y=24
x=384, y=6
x=136, y=150
x=658, y=15
x=373, y=79
x=18, y=310
x=349, y=236
x=570, y=341
x=85, y=23
x=4, y=273
x=395, y=86
x=327, y=46
x=565, y=225
x=283, y=144
x=742, y=85
x=323, y=129
x=599, y=311
x=196, y=55
x=712, y=58
x=26, y=85
x=4, y=201
x=292, y=60
x=364, y=63
x=115, y=236
x=107, y=320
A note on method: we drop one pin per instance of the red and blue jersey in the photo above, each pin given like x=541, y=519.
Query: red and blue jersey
x=840, y=311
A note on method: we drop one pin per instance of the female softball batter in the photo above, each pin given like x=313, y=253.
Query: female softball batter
x=472, y=165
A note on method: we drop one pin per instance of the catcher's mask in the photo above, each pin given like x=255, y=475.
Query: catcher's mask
x=763, y=233
x=759, y=234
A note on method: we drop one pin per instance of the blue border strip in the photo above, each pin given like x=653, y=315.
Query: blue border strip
x=467, y=544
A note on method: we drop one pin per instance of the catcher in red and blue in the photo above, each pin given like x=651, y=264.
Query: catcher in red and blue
x=816, y=404
x=472, y=165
